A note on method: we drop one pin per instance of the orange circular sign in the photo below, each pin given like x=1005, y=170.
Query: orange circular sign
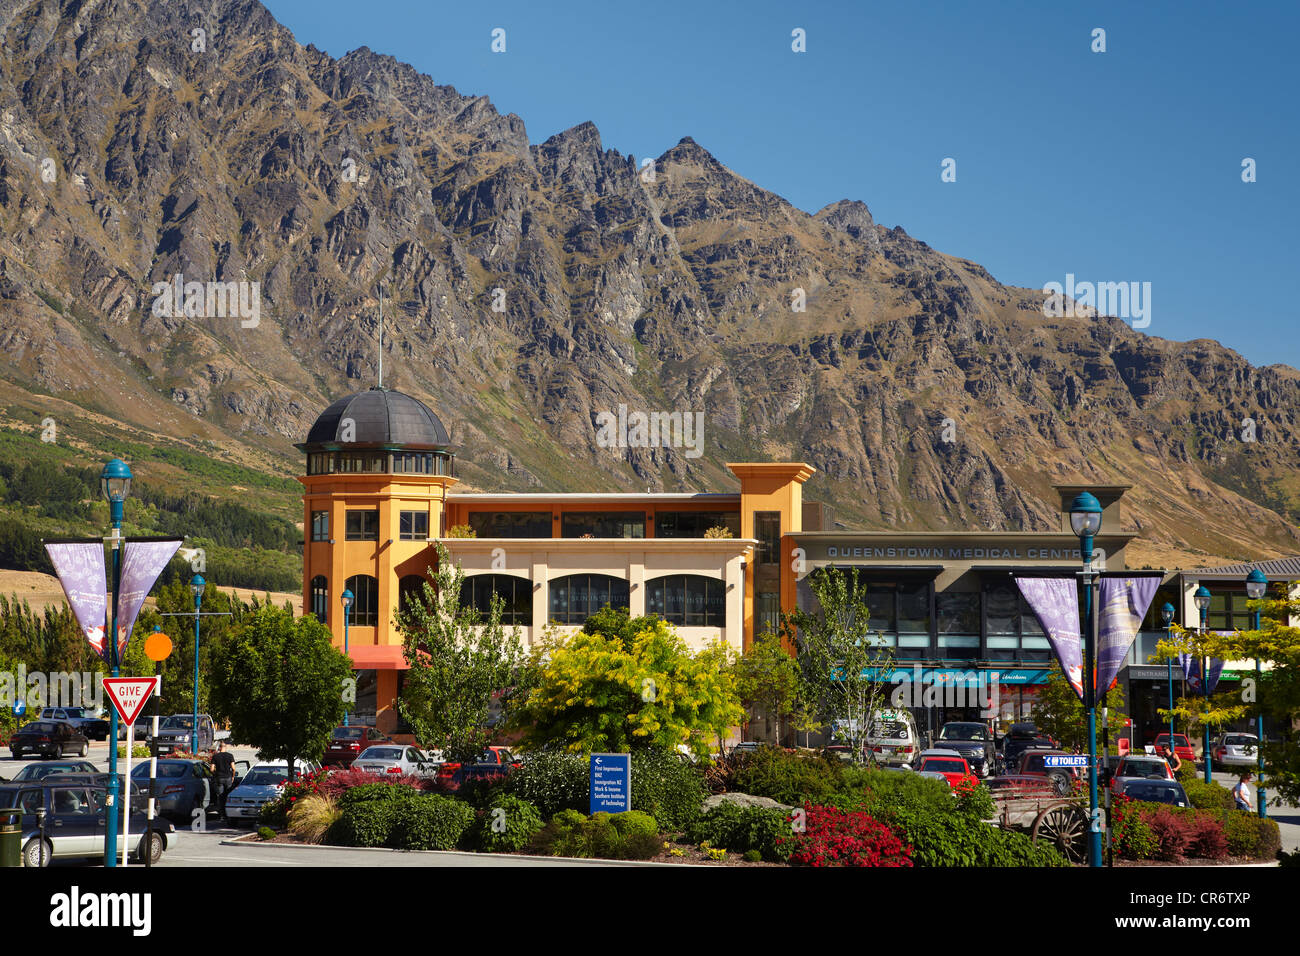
x=157, y=646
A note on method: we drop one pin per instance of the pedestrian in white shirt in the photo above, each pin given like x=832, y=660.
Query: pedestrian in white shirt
x=1241, y=793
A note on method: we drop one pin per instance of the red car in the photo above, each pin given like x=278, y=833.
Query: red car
x=492, y=761
x=347, y=742
x=1033, y=763
x=951, y=765
x=1182, y=746
x=1140, y=765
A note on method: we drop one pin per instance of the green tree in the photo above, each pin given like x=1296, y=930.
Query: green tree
x=1058, y=712
x=625, y=684
x=281, y=682
x=842, y=662
x=459, y=661
x=768, y=681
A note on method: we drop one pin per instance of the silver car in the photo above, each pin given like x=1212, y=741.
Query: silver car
x=1236, y=750
x=395, y=759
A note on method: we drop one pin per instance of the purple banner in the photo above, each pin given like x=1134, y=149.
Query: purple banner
x=80, y=567
x=1124, y=602
x=142, y=562
x=1192, y=671
x=1055, y=602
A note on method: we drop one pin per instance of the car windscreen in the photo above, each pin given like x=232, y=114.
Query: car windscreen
x=889, y=730
x=164, y=770
x=1238, y=740
x=1155, y=792
x=41, y=727
x=381, y=753
x=1142, y=768
x=266, y=776
x=178, y=723
x=348, y=733
x=963, y=732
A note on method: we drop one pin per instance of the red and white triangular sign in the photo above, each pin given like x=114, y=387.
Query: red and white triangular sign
x=129, y=694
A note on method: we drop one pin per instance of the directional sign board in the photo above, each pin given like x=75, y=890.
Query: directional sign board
x=1070, y=760
x=129, y=694
x=611, y=783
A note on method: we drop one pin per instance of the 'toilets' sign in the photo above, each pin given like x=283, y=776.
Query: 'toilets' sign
x=1061, y=760
x=611, y=783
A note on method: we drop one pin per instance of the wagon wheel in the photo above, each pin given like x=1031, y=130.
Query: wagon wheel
x=1065, y=828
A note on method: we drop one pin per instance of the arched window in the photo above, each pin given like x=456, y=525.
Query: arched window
x=409, y=587
x=516, y=592
x=365, y=600
x=688, y=600
x=575, y=598
x=320, y=595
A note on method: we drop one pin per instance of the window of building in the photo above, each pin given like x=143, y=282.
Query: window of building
x=603, y=524
x=511, y=524
x=515, y=592
x=958, y=614
x=409, y=588
x=767, y=529
x=688, y=600
x=1010, y=627
x=899, y=609
x=365, y=600
x=365, y=710
x=693, y=524
x=413, y=525
x=320, y=597
x=363, y=525
x=320, y=525
x=359, y=462
x=575, y=598
x=320, y=463
x=767, y=612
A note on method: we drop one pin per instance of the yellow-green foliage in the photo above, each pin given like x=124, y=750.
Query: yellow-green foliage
x=311, y=816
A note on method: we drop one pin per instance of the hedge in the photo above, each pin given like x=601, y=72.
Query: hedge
x=742, y=829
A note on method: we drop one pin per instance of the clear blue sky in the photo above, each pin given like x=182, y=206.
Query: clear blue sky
x=1115, y=166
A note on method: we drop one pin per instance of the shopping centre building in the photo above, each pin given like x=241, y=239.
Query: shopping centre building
x=380, y=491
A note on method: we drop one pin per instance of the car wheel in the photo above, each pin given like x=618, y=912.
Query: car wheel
x=18, y=754
x=85, y=748
x=37, y=853
x=155, y=849
x=1060, y=784
x=58, y=752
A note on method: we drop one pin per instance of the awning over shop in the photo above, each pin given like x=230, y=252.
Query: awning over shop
x=381, y=657
x=956, y=677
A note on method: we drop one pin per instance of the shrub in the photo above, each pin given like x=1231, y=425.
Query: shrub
x=426, y=822
x=753, y=856
x=482, y=791
x=1012, y=848
x=266, y=833
x=792, y=779
x=665, y=786
x=1173, y=833
x=833, y=837
x=312, y=816
x=1207, y=840
x=506, y=825
x=1248, y=835
x=364, y=823
x=553, y=781
x=602, y=835
x=633, y=822
x=1131, y=837
x=742, y=829
x=1208, y=796
x=371, y=792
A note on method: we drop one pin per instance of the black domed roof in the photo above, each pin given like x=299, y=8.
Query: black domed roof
x=379, y=417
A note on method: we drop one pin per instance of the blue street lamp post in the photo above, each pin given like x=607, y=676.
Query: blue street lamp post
x=1167, y=618
x=1202, y=598
x=196, y=586
x=114, y=485
x=1085, y=520
x=346, y=598
x=1256, y=586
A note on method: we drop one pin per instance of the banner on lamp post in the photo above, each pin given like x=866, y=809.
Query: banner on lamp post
x=1123, y=601
x=80, y=569
x=1055, y=602
x=1191, y=664
x=142, y=562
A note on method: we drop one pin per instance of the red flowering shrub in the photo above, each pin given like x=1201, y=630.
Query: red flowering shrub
x=1173, y=832
x=1208, y=840
x=834, y=837
x=1131, y=836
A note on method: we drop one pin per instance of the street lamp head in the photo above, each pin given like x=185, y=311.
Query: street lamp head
x=346, y=598
x=1085, y=514
x=1256, y=584
x=115, y=481
x=1202, y=598
x=1167, y=614
x=197, y=584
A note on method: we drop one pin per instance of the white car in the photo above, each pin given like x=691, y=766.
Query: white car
x=259, y=786
x=395, y=759
x=1236, y=750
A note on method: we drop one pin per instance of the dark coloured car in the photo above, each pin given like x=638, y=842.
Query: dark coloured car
x=50, y=739
x=69, y=821
x=184, y=786
x=96, y=728
x=176, y=733
x=973, y=741
x=38, y=771
x=100, y=780
x=1153, y=791
x=1035, y=763
x=1019, y=738
x=493, y=762
x=346, y=743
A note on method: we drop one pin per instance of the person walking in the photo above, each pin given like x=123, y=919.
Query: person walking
x=1241, y=793
x=1171, y=757
x=223, y=768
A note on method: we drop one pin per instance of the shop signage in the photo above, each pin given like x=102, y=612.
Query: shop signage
x=990, y=552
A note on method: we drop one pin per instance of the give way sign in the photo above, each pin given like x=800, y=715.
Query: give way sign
x=129, y=694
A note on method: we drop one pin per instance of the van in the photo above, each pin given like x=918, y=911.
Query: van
x=892, y=736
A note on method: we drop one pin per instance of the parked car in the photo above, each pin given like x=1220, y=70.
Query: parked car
x=1033, y=763
x=177, y=730
x=1236, y=749
x=96, y=728
x=494, y=761
x=259, y=786
x=183, y=786
x=892, y=736
x=347, y=742
x=49, y=738
x=948, y=765
x=1139, y=766
x=1182, y=746
x=1153, y=791
x=38, y=771
x=746, y=747
x=100, y=780
x=1019, y=738
x=394, y=758
x=74, y=823
x=973, y=741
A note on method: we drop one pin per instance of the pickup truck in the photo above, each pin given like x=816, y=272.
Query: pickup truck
x=96, y=728
x=175, y=732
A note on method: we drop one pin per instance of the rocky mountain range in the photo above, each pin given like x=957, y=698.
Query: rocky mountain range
x=529, y=287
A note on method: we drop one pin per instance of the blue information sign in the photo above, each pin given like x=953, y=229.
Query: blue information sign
x=611, y=783
x=1058, y=760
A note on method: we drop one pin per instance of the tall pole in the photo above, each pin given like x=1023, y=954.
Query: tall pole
x=1090, y=693
x=194, y=729
x=1261, y=795
x=347, y=598
x=1205, y=695
x=114, y=790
